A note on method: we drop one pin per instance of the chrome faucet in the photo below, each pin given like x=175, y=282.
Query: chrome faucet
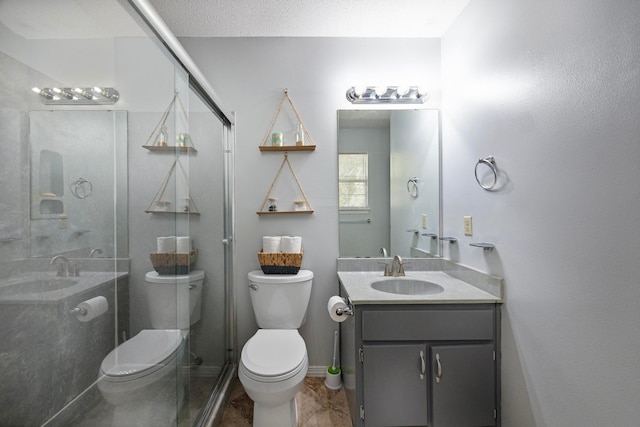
x=383, y=252
x=397, y=267
x=65, y=268
x=96, y=251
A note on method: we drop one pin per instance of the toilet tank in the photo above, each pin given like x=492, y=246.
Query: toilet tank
x=174, y=302
x=280, y=301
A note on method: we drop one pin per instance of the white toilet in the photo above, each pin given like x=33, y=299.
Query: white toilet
x=140, y=377
x=274, y=361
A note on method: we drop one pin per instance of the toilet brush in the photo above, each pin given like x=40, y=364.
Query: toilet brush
x=333, y=369
x=333, y=378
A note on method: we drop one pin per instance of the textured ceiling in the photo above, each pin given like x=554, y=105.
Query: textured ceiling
x=309, y=18
x=67, y=19
x=62, y=19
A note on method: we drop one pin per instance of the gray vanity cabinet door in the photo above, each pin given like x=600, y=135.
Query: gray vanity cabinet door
x=463, y=385
x=395, y=385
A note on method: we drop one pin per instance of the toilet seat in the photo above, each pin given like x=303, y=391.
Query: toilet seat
x=274, y=355
x=147, y=352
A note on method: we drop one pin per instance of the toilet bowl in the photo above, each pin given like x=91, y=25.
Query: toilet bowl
x=141, y=377
x=274, y=361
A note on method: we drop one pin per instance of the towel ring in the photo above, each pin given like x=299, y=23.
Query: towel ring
x=491, y=162
x=81, y=188
x=412, y=187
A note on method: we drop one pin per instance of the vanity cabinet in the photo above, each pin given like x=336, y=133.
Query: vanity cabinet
x=433, y=365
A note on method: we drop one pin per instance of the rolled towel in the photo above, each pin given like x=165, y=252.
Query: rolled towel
x=271, y=244
x=166, y=244
x=183, y=244
x=291, y=244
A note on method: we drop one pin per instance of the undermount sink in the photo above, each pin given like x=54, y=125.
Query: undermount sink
x=36, y=286
x=407, y=286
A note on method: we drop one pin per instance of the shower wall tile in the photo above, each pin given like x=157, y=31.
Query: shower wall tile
x=48, y=356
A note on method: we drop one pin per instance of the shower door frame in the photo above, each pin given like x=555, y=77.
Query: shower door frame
x=211, y=413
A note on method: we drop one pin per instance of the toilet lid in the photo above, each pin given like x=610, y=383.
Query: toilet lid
x=143, y=353
x=274, y=352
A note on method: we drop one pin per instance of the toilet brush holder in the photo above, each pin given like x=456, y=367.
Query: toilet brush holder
x=333, y=378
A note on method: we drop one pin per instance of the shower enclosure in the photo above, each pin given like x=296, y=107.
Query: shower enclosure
x=111, y=138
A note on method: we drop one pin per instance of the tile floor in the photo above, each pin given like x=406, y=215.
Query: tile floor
x=318, y=406
x=101, y=414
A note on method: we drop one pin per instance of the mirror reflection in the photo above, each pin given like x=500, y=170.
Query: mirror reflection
x=389, y=182
x=77, y=160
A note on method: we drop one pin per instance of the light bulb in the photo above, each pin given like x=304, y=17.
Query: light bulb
x=402, y=90
x=381, y=90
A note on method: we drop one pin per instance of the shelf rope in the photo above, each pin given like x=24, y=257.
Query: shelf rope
x=285, y=96
x=293, y=173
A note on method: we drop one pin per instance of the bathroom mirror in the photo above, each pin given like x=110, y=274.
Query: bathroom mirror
x=78, y=182
x=389, y=182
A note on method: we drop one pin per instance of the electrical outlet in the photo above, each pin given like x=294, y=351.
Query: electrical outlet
x=468, y=226
x=424, y=221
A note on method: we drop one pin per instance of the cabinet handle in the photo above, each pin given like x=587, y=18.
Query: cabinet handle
x=438, y=368
x=424, y=365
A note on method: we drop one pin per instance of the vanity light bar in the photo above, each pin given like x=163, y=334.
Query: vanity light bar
x=78, y=95
x=386, y=95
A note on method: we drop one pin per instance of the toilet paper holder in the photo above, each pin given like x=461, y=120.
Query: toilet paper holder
x=348, y=310
x=79, y=310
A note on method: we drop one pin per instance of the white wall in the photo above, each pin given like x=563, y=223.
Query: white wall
x=551, y=89
x=250, y=75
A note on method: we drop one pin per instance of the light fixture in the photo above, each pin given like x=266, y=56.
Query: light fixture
x=386, y=95
x=78, y=95
x=45, y=93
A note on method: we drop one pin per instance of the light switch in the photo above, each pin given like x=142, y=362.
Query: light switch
x=468, y=226
x=424, y=221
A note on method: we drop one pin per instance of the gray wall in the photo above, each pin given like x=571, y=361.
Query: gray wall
x=249, y=74
x=551, y=89
x=414, y=153
x=357, y=237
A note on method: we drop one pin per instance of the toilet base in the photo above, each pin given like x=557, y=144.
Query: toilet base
x=285, y=415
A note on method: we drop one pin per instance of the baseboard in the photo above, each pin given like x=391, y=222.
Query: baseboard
x=317, y=371
x=214, y=371
x=204, y=371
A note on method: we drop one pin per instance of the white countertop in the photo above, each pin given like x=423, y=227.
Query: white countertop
x=456, y=291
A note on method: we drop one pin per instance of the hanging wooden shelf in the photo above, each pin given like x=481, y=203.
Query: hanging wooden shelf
x=308, y=210
x=170, y=149
x=173, y=212
x=309, y=144
x=159, y=205
x=284, y=212
x=184, y=145
x=287, y=148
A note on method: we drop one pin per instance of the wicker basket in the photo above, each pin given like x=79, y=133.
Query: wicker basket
x=280, y=263
x=173, y=263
